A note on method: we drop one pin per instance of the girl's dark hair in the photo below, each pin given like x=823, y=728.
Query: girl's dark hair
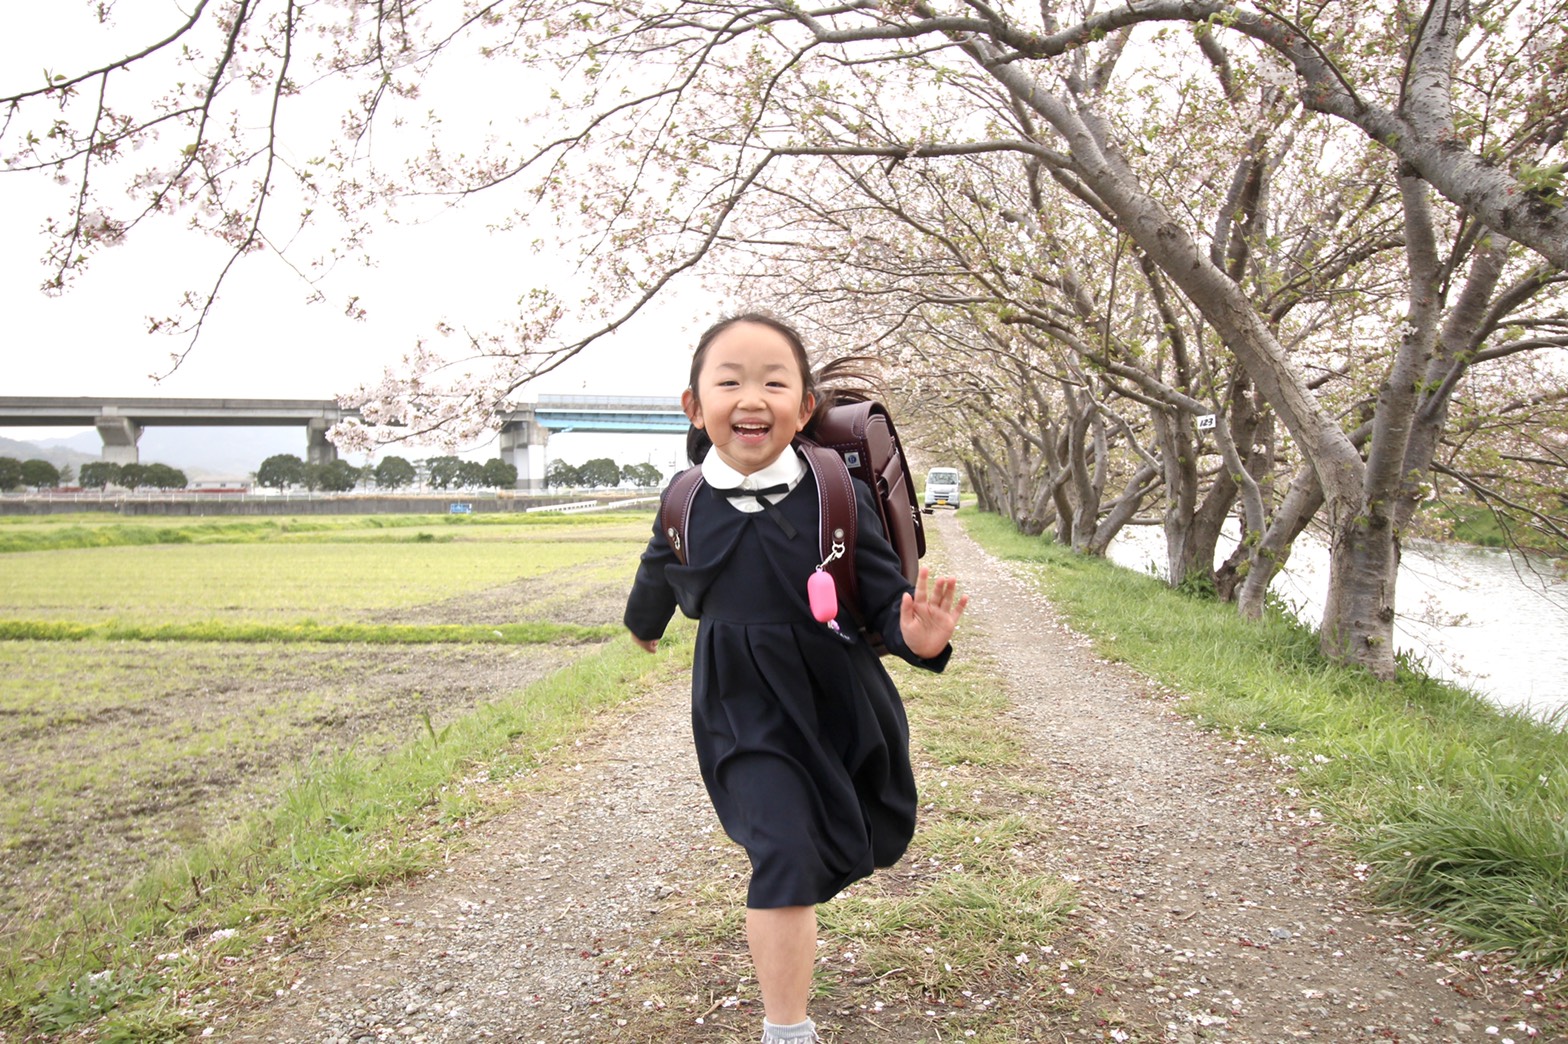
x=834, y=382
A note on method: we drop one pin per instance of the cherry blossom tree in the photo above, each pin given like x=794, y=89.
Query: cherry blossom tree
x=676, y=133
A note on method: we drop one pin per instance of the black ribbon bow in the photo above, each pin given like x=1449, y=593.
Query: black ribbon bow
x=760, y=496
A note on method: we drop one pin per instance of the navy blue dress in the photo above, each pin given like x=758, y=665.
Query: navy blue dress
x=800, y=733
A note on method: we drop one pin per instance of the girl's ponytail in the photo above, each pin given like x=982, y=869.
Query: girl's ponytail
x=839, y=381
x=697, y=444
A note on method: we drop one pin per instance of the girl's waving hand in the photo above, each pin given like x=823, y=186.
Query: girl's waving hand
x=929, y=616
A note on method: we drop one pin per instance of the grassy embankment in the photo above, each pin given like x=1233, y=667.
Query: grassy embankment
x=1470, y=522
x=1459, y=809
x=217, y=732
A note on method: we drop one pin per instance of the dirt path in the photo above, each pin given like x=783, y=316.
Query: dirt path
x=1213, y=906
x=1209, y=904
x=524, y=935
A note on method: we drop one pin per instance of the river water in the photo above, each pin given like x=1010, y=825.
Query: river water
x=1494, y=622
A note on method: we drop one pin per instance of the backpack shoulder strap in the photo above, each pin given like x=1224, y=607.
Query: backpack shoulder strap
x=863, y=433
x=837, y=514
x=675, y=509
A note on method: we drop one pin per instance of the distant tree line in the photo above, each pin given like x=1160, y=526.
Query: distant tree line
x=446, y=472
x=100, y=473
x=284, y=470
x=600, y=473
x=96, y=474
x=40, y=474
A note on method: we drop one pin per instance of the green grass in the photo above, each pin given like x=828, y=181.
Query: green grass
x=1458, y=808
x=306, y=631
x=23, y=533
x=960, y=727
x=100, y=529
x=341, y=826
x=1470, y=522
x=266, y=580
x=1474, y=524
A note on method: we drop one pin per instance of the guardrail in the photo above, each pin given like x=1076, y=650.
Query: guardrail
x=584, y=506
x=114, y=496
x=190, y=502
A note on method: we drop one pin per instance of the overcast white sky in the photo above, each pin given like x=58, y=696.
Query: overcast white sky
x=264, y=340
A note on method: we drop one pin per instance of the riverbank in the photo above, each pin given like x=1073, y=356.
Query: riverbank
x=1455, y=807
x=1491, y=620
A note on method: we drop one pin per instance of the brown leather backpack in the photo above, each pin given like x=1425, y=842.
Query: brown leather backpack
x=851, y=439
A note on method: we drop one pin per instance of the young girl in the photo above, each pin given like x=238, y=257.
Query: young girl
x=801, y=736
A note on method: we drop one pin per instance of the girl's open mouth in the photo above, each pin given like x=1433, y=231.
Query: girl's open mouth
x=751, y=432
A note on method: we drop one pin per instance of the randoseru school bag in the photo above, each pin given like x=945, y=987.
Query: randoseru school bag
x=851, y=439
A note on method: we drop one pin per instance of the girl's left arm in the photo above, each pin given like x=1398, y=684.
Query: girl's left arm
x=928, y=617
x=916, y=623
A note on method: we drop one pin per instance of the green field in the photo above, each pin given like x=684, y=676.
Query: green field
x=345, y=573
x=177, y=696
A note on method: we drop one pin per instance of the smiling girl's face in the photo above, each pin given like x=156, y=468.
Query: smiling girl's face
x=750, y=395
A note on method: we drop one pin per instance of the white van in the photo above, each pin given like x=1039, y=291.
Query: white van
x=942, y=487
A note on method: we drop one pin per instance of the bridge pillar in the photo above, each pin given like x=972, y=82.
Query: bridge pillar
x=119, y=435
x=318, y=450
x=522, y=446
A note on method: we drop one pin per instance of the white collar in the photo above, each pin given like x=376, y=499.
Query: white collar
x=787, y=469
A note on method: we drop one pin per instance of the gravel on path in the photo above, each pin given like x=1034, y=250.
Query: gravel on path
x=1217, y=905
x=527, y=932
x=1212, y=905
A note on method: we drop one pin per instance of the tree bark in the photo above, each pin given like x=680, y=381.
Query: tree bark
x=1265, y=557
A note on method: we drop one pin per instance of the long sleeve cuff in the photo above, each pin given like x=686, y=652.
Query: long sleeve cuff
x=893, y=638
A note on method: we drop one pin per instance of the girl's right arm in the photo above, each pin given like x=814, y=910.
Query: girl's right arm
x=651, y=602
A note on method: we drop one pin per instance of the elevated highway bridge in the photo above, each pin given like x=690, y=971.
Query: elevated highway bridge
x=120, y=421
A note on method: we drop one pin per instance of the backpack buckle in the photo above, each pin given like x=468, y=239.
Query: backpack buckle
x=836, y=551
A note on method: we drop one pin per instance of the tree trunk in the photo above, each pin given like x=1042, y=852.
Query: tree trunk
x=1179, y=454
x=1358, y=614
x=1264, y=558
x=1122, y=510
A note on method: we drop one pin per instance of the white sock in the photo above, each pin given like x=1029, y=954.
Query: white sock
x=799, y=1033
